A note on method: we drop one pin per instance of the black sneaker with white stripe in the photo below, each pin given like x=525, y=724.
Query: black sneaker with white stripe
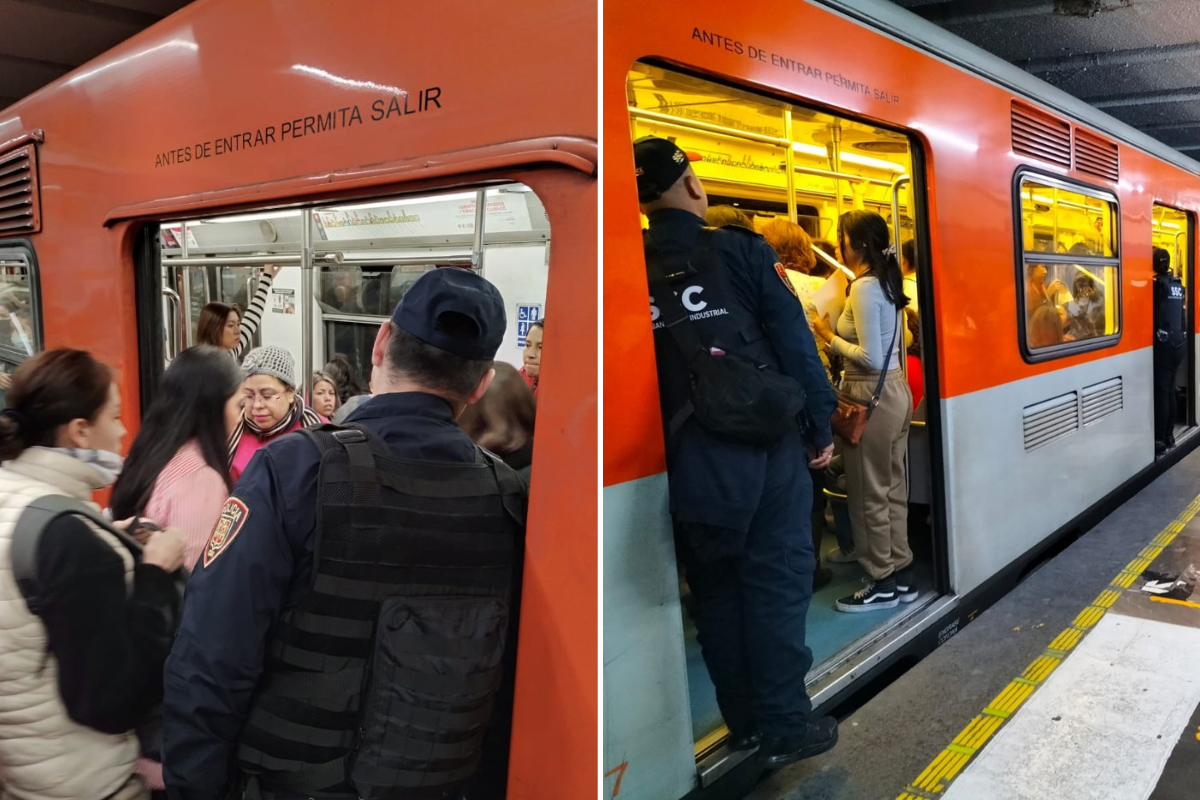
x=876, y=595
x=906, y=592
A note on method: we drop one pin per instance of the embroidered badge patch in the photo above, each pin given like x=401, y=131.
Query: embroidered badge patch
x=781, y=271
x=229, y=524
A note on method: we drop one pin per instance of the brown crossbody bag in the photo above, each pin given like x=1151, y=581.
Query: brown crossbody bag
x=849, y=419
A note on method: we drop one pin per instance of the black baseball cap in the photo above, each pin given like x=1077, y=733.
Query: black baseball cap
x=427, y=306
x=659, y=164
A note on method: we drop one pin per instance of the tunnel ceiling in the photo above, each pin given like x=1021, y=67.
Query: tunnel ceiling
x=42, y=40
x=1136, y=60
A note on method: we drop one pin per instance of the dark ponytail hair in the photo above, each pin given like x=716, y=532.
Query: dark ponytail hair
x=868, y=235
x=190, y=405
x=48, y=391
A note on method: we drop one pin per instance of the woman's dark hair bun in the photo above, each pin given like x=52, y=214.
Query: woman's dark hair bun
x=48, y=391
x=11, y=438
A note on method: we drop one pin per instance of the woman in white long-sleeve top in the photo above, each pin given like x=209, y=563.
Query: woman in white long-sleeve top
x=870, y=339
x=221, y=326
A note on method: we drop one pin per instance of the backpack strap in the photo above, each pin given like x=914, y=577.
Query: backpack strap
x=27, y=534
x=361, y=447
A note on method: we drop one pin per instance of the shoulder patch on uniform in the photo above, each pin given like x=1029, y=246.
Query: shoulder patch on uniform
x=781, y=271
x=229, y=524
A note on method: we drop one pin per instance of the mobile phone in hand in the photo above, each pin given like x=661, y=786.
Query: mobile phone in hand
x=143, y=529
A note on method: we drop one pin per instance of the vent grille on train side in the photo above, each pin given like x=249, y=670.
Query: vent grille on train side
x=1101, y=400
x=1050, y=420
x=1040, y=136
x=1096, y=156
x=19, y=211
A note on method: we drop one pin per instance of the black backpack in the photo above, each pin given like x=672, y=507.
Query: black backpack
x=733, y=397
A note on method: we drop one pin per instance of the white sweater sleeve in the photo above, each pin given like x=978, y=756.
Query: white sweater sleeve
x=253, y=315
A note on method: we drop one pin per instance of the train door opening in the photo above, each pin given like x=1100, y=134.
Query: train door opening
x=1174, y=231
x=341, y=270
x=789, y=172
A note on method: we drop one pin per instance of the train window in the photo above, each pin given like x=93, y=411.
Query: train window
x=1070, y=267
x=364, y=256
x=20, y=323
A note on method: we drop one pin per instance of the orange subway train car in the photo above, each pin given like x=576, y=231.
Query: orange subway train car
x=356, y=147
x=1026, y=434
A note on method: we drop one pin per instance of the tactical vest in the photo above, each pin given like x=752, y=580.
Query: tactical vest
x=1168, y=307
x=380, y=683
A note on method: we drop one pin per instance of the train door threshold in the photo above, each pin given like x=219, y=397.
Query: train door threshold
x=833, y=676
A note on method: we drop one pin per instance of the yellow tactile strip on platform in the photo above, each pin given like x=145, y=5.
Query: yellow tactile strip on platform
x=936, y=778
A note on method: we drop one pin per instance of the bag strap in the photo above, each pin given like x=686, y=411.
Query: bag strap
x=887, y=364
x=675, y=317
x=676, y=322
x=27, y=533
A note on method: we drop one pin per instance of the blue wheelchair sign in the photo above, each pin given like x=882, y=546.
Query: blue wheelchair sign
x=527, y=314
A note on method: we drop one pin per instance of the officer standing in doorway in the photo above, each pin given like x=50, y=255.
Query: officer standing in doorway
x=349, y=630
x=740, y=511
x=1169, y=338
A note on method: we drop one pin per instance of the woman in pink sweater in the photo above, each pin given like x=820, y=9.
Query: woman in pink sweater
x=175, y=474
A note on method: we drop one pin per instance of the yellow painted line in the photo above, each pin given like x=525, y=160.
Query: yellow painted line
x=1137, y=566
x=1151, y=552
x=1163, y=539
x=936, y=777
x=1066, y=640
x=1174, y=602
x=1124, y=580
x=711, y=740
x=1041, y=668
x=1088, y=617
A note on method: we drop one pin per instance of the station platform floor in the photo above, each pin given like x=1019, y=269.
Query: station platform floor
x=1082, y=682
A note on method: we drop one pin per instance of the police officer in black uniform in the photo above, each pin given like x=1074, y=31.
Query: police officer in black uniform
x=351, y=621
x=741, y=512
x=1170, y=335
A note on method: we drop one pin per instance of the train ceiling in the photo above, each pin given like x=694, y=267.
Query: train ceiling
x=42, y=40
x=1136, y=60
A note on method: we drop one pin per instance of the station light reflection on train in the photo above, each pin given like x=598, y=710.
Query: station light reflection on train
x=951, y=138
x=117, y=63
x=325, y=75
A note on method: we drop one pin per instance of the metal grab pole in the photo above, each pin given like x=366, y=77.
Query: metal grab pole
x=176, y=344
x=306, y=303
x=480, y=215
x=896, y=184
x=789, y=160
x=835, y=163
x=900, y=180
x=1180, y=267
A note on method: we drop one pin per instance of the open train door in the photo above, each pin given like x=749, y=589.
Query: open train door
x=1175, y=232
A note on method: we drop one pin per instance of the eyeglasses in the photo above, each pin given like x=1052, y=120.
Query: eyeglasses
x=267, y=397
